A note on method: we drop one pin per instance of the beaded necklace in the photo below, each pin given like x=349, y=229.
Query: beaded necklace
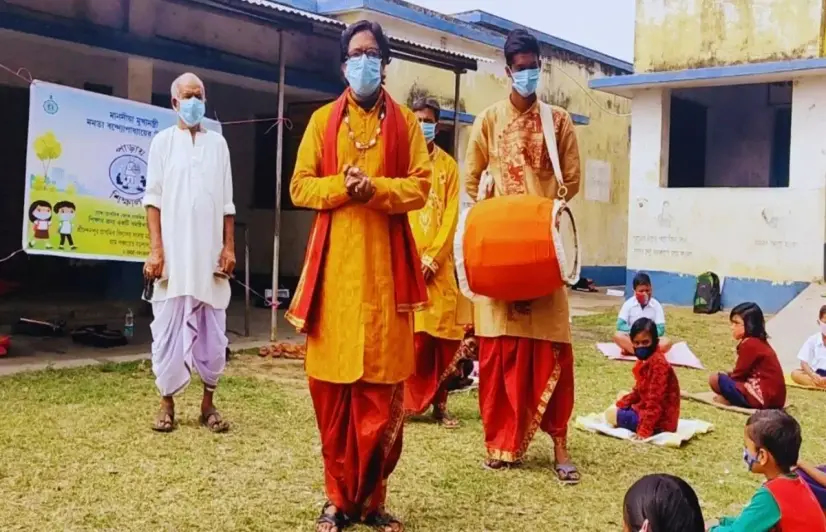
x=359, y=145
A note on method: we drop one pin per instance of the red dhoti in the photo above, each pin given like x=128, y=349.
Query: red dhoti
x=436, y=360
x=524, y=385
x=361, y=441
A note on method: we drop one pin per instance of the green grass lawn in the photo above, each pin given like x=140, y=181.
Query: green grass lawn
x=76, y=452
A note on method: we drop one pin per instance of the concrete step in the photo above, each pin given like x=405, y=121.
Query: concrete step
x=790, y=327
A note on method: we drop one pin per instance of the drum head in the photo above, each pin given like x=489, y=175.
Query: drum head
x=566, y=242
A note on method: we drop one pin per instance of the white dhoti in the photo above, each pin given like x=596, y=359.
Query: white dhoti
x=186, y=334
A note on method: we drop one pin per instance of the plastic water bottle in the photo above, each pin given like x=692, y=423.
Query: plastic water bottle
x=129, y=324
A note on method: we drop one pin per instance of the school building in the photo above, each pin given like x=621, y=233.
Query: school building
x=251, y=54
x=728, y=103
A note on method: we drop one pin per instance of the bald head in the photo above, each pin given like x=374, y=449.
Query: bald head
x=188, y=98
x=186, y=86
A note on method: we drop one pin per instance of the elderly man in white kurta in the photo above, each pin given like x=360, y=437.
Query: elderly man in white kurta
x=191, y=216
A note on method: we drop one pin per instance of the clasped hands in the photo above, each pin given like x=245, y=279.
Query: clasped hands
x=359, y=187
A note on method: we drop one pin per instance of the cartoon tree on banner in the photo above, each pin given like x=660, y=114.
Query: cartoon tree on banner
x=47, y=148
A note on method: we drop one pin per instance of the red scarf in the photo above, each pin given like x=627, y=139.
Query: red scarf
x=410, y=288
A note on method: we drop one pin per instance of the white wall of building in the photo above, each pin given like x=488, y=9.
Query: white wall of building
x=775, y=234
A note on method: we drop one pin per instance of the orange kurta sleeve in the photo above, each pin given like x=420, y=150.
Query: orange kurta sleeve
x=568, y=155
x=477, y=156
x=307, y=188
x=400, y=194
x=436, y=254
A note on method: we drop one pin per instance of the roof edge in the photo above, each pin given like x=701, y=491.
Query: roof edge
x=483, y=17
x=707, y=76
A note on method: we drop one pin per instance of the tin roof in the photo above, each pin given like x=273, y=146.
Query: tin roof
x=402, y=48
x=298, y=12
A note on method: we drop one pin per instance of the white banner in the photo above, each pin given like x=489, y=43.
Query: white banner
x=86, y=173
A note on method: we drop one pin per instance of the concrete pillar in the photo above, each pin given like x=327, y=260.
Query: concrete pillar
x=125, y=278
x=139, y=79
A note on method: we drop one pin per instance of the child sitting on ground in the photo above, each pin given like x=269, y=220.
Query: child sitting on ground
x=641, y=305
x=784, y=502
x=757, y=380
x=815, y=477
x=661, y=503
x=653, y=406
x=812, y=357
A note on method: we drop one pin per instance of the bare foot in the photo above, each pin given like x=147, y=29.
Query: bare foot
x=384, y=522
x=445, y=418
x=611, y=416
x=720, y=400
x=496, y=465
x=331, y=519
x=165, y=419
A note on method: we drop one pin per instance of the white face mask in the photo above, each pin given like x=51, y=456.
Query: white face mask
x=67, y=216
x=40, y=215
x=822, y=327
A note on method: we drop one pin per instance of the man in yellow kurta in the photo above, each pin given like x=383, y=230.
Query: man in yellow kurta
x=438, y=332
x=362, y=165
x=526, y=377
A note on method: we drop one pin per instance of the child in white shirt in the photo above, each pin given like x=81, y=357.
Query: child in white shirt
x=812, y=357
x=641, y=305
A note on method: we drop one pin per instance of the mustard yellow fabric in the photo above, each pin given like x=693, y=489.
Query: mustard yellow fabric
x=358, y=334
x=433, y=228
x=511, y=146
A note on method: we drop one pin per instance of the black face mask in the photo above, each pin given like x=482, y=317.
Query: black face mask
x=644, y=353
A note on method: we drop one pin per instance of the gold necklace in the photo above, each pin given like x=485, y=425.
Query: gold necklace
x=359, y=145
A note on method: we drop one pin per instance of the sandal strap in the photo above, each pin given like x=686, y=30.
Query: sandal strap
x=212, y=413
x=327, y=519
x=339, y=519
x=381, y=519
x=566, y=468
x=567, y=472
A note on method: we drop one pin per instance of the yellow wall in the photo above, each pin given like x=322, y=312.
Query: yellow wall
x=602, y=226
x=683, y=34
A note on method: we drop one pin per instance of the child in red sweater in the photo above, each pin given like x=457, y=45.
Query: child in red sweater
x=654, y=404
x=757, y=380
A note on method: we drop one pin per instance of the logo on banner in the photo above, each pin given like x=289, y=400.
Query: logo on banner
x=50, y=106
x=127, y=172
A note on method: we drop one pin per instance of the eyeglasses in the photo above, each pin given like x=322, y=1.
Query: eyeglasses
x=357, y=54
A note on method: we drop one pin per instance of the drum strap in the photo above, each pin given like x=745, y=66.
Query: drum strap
x=546, y=116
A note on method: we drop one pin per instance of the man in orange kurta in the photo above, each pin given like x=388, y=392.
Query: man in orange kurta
x=362, y=165
x=526, y=377
x=438, y=331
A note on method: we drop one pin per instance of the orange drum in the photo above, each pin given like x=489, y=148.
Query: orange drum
x=516, y=248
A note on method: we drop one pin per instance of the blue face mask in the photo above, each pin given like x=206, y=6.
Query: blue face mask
x=364, y=75
x=191, y=111
x=644, y=353
x=526, y=81
x=429, y=131
x=749, y=459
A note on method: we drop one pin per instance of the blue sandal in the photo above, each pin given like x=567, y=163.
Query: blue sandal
x=568, y=474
